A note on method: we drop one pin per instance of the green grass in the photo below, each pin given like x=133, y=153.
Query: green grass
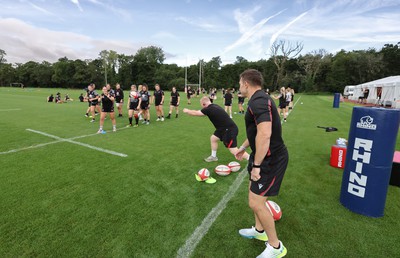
x=65, y=200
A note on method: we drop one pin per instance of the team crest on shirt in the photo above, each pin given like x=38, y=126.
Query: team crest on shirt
x=260, y=186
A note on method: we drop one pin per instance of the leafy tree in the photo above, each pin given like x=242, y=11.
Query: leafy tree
x=145, y=64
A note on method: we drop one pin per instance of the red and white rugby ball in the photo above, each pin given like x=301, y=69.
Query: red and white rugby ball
x=222, y=170
x=234, y=166
x=203, y=174
x=275, y=210
x=134, y=94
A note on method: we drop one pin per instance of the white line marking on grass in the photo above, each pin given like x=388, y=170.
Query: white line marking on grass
x=48, y=143
x=12, y=109
x=190, y=245
x=29, y=147
x=79, y=143
x=290, y=111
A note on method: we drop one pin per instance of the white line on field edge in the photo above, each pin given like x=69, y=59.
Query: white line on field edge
x=190, y=245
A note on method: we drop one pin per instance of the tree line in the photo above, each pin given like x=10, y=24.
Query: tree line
x=316, y=71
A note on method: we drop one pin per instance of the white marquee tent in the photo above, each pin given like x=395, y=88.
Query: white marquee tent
x=388, y=87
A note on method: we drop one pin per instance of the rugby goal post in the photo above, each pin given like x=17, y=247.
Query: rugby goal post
x=200, y=75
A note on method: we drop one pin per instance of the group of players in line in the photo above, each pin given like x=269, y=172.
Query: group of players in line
x=140, y=100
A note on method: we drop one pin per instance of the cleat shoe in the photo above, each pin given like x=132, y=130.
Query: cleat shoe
x=162, y=119
x=252, y=233
x=143, y=122
x=158, y=119
x=211, y=159
x=271, y=252
x=129, y=125
x=86, y=115
x=147, y=123
x=135, y=125
x=92, y=120
x=114, y=129
x=101, y=131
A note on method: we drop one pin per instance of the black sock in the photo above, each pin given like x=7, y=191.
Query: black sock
x=176, y=116
x=260, y=231
x=137, y=120
x=145, y=119
x=130, y=120
x=279, y=246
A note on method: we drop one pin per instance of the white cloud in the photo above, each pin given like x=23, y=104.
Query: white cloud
x=76, y=2
x=284, y=28
x=250, y=34
x=21, y=43
x=164, y=35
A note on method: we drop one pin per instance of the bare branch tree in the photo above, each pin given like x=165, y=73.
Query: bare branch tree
x=281, y=51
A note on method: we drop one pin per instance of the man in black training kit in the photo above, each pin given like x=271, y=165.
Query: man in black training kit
x=226, y=130
x=267, y=163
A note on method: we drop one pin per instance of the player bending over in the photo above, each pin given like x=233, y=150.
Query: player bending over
x=225, y=129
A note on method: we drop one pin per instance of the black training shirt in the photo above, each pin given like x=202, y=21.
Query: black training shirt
x=218, y=117
x=261, y=108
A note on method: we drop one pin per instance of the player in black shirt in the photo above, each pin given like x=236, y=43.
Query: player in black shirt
x=282, y=102
x=133, y=106
x=228, y=102
x=107, y=107
x=119, y=98
x=225, y=129
x=158, y=98
x=268, y=159
x=50, y=98
x=240, y=103
x=189, y=94
x=145, y=104
x=93, y=98
x=174, y=103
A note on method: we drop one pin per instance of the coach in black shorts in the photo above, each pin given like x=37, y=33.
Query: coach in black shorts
x=225, y=129
x=268, y=159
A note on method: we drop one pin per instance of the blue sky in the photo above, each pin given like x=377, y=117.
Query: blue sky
x=191, y=29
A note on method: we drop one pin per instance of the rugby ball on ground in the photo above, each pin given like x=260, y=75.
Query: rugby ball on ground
x=222, y=170
x=275, y=210
x=203, y=174
x=234, y=166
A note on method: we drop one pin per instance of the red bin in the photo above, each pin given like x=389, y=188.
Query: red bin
x=338, y=156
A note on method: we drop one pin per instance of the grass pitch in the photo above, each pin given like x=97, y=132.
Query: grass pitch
x=66, y=200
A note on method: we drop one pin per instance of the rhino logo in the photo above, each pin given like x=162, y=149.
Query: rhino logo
x=366, y=122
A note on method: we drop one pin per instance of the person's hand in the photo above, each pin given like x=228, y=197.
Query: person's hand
x=239, y=154
x=255, y=174
x=185, y=110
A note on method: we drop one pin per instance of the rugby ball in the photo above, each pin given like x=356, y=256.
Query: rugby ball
x=134, y=94
x=203, y=174
x=222, y=170
x=234, y=166
x=275, y=210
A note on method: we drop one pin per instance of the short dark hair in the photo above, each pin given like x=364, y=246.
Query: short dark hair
x=253, y=77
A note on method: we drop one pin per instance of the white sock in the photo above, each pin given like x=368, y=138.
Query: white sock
x=101, y=128
x=214, y=153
